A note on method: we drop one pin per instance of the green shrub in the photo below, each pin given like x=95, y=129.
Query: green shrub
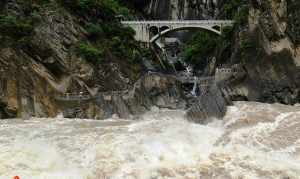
x=127, y=32
x=94, y=30
x=116, y=29
x=200, y=46
x=242, y=16
x=15, y=28
x=246, y=44
x=237, y=10
x=103, y=29
x=116, y=7
x=90, y=53
x=80, y=5
x=227, y=32
x=107, y=9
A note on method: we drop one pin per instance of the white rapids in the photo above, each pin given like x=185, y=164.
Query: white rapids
x=254, y=141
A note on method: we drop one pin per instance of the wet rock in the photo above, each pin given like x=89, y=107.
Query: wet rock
x=210, y=104
x=120, y=107
x=270, y=62
x=151, y=90
x=47, y=64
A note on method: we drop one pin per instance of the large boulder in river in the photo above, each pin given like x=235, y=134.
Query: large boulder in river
x=212, y=103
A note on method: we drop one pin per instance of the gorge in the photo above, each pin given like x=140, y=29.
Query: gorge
x=84, y=95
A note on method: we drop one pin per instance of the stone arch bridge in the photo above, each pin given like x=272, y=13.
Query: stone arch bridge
x=150, y=31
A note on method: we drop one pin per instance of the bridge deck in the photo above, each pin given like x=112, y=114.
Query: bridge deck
x=163, y=22
x=142, y=28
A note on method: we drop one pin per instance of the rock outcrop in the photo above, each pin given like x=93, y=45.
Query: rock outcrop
x=182, y=9
x=264, y=47
x=267, y=51
x=150, y=90
x=46, y=64
x=212, y=103
x=34, y=70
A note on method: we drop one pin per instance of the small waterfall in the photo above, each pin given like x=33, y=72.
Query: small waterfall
x=193, y=92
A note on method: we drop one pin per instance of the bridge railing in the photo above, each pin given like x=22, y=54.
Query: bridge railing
x=179, y=22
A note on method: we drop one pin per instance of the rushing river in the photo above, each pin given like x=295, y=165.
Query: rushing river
x=254, y=141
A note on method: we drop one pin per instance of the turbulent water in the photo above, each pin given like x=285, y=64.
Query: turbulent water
x=254, y=141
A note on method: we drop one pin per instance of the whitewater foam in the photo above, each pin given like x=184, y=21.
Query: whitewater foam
x=254, y=141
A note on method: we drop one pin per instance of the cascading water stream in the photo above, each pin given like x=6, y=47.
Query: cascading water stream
x=253, y=141
x=193, y=92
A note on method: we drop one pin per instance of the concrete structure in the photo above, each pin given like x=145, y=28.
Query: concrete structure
x=150, y=31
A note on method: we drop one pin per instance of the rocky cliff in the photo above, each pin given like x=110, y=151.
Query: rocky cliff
x=182, y=9
x=266, y=49
x=50, y=48
x=53, y=49
x=44, y=62
x=262, y=48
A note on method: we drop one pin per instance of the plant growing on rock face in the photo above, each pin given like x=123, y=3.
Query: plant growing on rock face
x=237, y=10
x=117, y=8
x=90, y=53
x=246, y=44
x=241, y=17
x=104, y=31
x=200, y=47
x=13, y=29
x=80, y=5
x=107, y=9
x=94, y=31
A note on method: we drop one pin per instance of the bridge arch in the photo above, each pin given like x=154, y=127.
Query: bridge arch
x=153, y=30
x=213, y=29
x=217, y=27
x=143, y=28
x=163, y=28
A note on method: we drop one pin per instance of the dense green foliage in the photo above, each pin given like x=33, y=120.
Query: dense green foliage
x=203, y=45
x=15, y=28
x=113, y=39
x=116, y=7
x=199, y=47
x=104, y=31
x=90, y=53
x=94, y=31
x=105, y=38
x=246, y=44
x=15, y=31
x=106, y=9
x=237, y=10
